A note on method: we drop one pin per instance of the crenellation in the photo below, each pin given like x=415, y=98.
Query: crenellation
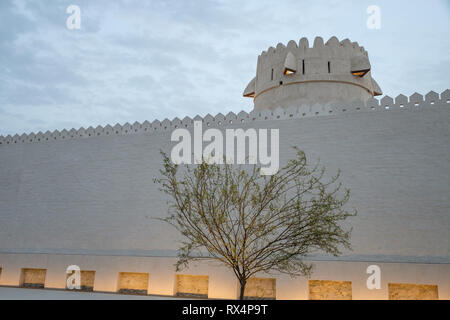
x=136, y=127
x=318, y=43
x=401, y=101
x=108, y=130
x=242, y=117
x=292, y=45
x=386, y=102
x=230, y=118
x=253, y=115
x=98, y=131
x=280, y=47
x=48, y=135
x=39, y=136
x=373, y=103
x=54, y=135
x=166, y=124
x=445, y=96
x=156, y=125
x=146, y=126
x=33, y=137
x=117, y=129
x=326, y=72
x=90, y=132
x=177, y=123
x=333, y=42
x=432, y=97
x=73, y=133
x=415, y=102
x=127, y=129
x=303, y=44
x=187, y=122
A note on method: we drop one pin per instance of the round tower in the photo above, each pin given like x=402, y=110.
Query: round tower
x=293, y=75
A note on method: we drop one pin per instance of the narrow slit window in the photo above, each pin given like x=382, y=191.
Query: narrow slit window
x=329, y=67
x=303, y=66
x=271, y=75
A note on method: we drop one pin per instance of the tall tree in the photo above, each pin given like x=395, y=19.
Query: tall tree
x=253, y=223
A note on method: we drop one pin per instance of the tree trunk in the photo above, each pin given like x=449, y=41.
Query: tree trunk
x=242, y=291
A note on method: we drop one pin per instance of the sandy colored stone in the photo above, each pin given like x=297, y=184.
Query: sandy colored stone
x=260, y=288
x=87, y=279
x=330, y=290
x=191, y=285
x=33, y=276
x=133, y=281
x=405, y=291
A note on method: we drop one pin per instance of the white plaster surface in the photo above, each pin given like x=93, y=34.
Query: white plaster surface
x=90, y=200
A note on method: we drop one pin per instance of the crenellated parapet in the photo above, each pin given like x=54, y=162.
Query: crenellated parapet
x=295, y=74
x=416, y=102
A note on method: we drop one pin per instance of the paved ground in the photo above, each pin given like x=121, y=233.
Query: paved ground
x=8, y=293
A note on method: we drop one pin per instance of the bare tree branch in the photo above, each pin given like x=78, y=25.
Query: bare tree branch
x=253, y=223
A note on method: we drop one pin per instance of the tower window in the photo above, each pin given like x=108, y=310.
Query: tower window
x=360, y=73
x=329, y=67
x=271, y=75
x=303, y=66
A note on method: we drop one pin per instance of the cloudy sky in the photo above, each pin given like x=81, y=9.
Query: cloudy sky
x=135, y=60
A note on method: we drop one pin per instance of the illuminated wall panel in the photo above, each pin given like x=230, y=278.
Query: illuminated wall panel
x=405, y=291
x=330, y=290
x=33, y=278
x=133, y=283
x=191, y=285
x=87, y=280
x=260, y=288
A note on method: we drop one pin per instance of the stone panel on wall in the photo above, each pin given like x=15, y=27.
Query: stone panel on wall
x=260, y=288
x=330, y=290
x=133, y=283
x=33, y=278
x=191, y=286
x=87, y=280
x=406, y=291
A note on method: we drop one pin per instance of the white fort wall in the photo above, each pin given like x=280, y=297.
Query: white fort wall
x=86, y=197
